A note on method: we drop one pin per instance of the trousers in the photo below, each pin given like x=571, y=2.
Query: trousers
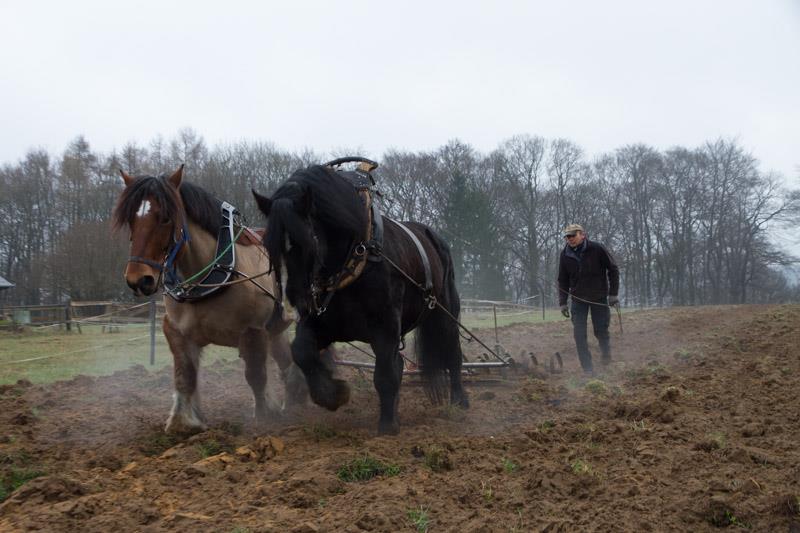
x=601, y=318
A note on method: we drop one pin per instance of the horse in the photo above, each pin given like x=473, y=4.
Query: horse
x=173, y=232
x=345, y=287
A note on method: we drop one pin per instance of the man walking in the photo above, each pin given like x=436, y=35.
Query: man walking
x=588, y=273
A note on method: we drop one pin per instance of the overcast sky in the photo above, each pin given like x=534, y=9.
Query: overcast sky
x=409, y=75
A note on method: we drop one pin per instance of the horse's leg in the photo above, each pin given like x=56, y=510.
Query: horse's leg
x=185, y=416
x=293, y=380
x=325, y=391
x=387, y=377
x=253, y=350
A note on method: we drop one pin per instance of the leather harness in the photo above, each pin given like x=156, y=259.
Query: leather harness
x=370, y=248
x=220, y=272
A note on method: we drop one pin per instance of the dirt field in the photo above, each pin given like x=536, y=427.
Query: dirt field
x=695, y=426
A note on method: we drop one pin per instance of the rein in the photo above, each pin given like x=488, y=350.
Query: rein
x=617, y=306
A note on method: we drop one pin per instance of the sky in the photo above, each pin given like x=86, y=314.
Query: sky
x=368, y=76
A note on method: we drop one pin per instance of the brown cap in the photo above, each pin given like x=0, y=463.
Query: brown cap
x=572, y=229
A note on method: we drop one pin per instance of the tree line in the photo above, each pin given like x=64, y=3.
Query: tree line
x=688, y=226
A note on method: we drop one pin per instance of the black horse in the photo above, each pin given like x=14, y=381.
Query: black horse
x=346, y=286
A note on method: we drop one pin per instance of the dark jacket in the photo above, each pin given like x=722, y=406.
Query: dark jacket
x=592, y=277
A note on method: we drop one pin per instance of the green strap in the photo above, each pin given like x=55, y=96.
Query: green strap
x=213, y=261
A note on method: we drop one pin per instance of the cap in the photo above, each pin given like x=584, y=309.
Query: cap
x=572, y=229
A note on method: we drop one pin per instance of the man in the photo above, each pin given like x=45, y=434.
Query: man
x=588, y=273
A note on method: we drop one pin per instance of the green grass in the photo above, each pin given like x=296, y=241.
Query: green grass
x=509, y=465
x=92, y=353
x=365, y=468
x=212, y=447
x=15, y=478
x=157, y=442
x=581, y=467
x=437, y=459
x=485, y=319
x=419, y=519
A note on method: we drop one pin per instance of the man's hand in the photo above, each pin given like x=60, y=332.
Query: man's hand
x=565, y=311
x=613, y=301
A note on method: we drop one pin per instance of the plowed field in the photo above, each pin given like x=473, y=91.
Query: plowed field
x=695, y=425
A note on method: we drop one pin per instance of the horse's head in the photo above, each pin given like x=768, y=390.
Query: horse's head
x=313, y=220
x=153, y=211
x=290, y=239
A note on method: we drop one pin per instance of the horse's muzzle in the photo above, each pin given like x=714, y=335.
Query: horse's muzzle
x=144, y=286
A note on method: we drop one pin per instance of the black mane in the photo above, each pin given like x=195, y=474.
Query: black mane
x=318, y=192
x=200, y=206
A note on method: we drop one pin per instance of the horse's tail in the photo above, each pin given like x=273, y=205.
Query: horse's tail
x=437, y=339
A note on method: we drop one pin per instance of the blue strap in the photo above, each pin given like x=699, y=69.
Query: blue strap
x=170, y=268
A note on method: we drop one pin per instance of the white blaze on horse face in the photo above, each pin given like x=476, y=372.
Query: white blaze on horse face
x=143, y=209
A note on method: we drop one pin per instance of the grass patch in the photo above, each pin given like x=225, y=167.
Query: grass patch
x=581, y=467
x=437, y=459
x=596, y=387
x=487, y=492
x=212, y=447
x=546, y=426
x=365, y=468
x=419, y=519
x=320, y=432
x=719, y=438
x=728, y=519
x=231, y=428
x=509, y=465
x=157, y=443
x=15, y=478
x=91, y=353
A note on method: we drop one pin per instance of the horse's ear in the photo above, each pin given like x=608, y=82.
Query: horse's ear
x=175, y=179
x=264, y=203
x=128, y=179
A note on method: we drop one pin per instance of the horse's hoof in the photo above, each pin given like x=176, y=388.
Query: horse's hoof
x=388, y=428
x=330, y=394
x=342, y=392
x=462, y=402
x=177, y=427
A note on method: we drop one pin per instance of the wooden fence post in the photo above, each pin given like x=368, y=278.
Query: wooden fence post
x=152, y=331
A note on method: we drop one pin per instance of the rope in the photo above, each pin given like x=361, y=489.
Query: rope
x=440, y=306
x=616, y=306
x=372, y=356
x=88, y=319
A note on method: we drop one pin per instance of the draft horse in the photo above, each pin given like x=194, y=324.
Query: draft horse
x=174, y=228
x=346, y=283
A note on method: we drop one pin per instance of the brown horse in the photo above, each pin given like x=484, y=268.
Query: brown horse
x=173, y=228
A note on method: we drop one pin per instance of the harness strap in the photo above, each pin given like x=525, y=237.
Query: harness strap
x=216, y=273
x=145, y=261
x=428, y=287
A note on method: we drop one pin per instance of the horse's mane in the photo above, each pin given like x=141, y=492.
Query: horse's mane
x=316, y=192
x=201, y=207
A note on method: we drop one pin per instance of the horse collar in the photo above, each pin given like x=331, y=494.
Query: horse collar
x=220, y=270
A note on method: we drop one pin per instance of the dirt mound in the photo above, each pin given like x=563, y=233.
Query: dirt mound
x=693, y=427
